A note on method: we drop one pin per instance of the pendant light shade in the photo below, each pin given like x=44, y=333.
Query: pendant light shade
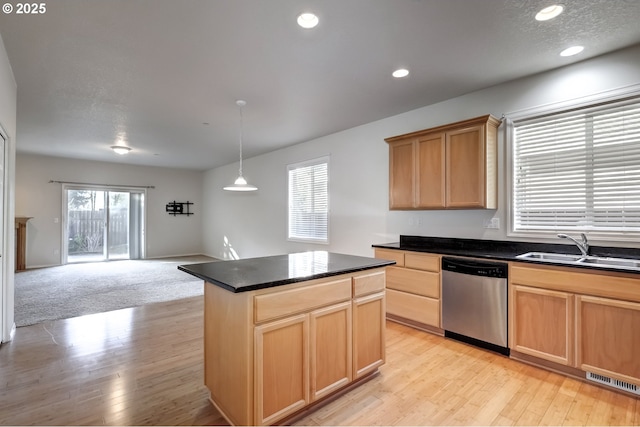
x=240, y=183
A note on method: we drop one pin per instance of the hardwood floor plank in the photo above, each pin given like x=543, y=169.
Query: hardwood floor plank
x=582, y=405
x=144, y=366
x=602, y=409
x=624, y=413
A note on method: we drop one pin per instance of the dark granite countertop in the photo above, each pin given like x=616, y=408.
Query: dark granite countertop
x=257, y=273
x=505, y=250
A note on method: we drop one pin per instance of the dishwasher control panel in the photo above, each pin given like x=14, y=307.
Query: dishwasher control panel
x=473, y=267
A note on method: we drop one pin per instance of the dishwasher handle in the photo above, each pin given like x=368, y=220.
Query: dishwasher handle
x=474, y=268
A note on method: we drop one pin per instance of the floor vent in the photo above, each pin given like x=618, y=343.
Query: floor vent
x=622, y=385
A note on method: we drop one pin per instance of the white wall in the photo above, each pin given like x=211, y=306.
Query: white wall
x=8, y=101
x=166, y=235
x=254, y=224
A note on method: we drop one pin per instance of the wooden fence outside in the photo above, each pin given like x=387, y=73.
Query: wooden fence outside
x=86, y=230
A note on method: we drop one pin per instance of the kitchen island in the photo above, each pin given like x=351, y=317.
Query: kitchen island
x=283, y=333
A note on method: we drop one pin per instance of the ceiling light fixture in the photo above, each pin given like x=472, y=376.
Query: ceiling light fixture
x=240, y=183
x=308, y=20
x=573, y=50
x=549, y=12
x=399, y=73
x=120, y=149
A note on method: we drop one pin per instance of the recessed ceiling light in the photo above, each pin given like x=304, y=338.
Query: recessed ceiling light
x=120, y=149
x=400, y=72
x=308, y=20
x=549, y=12
x=573, y=50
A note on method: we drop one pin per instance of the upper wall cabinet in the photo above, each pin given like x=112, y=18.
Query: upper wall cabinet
x=448, y=167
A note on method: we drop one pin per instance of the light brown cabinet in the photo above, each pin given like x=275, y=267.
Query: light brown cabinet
x=368, y=333
x=413, y=287
x=272, y=352
x=402, y=171
x=282, y=368
x=448, y=167
x=430, y=171
x=609, y=338
x=582, y=319
x=301, y=359
x=331, y=338
x=542, y=324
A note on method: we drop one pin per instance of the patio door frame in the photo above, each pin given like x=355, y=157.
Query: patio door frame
x=140, y=225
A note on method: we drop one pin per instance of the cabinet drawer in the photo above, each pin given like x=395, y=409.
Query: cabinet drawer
x=292, y=301
x=397, y=256
x=422, y=262
x=417, y=282
x=368, y=283
x=414, y=307
x=586, y=282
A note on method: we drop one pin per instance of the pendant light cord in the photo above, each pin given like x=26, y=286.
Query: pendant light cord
x=241, y=126
x=240, y=183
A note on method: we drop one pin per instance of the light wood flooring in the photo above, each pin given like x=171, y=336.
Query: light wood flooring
x=143, y=366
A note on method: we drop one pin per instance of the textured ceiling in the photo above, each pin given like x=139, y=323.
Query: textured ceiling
x=152, y=72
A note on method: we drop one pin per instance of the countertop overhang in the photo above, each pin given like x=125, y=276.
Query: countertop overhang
x=264, y=272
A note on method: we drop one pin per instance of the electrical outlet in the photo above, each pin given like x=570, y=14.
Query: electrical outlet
x=415, y=221
x=56, y=251
x=493, y=223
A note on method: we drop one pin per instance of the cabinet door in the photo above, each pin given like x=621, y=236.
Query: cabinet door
x=331, y=349
x=430, y=181
x=282, y=368
x=368, y=333
x=609, y=338
x=542, y=323
x=465, y=168
x=401, y=175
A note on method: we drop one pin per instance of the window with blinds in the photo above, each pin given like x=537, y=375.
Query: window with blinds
x=309, y=201
x=579, y=170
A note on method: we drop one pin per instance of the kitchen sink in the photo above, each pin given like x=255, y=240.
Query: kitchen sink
x=550, y=257
x=593, y=261
x=612, y=262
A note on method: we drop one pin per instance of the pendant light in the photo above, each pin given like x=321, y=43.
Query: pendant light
x=240, y=183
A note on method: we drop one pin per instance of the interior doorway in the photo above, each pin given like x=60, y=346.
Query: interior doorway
x=103, y=224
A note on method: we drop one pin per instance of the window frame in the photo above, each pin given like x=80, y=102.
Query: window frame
x=614, y=96
x=304, y=164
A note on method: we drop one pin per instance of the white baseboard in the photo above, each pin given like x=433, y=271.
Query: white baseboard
x=177, y=256
x=12, y=334
x=33, y=267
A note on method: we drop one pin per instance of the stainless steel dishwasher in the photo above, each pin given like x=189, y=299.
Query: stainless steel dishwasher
x=474, y=302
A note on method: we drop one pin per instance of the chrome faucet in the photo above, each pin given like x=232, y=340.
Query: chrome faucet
x=583, y=246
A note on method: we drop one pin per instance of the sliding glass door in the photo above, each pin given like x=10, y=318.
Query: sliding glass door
x=103, y=224
x=117, y=225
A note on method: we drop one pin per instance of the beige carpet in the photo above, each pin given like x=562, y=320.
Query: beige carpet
x=78, y=289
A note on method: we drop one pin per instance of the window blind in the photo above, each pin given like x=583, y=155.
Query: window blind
x=579, y=170
x=309, y=200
